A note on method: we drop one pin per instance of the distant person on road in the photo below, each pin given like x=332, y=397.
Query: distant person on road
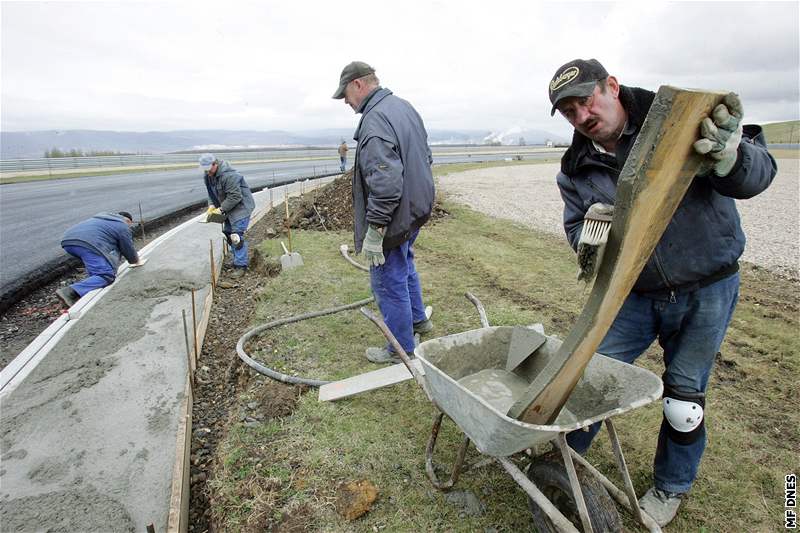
x=686, y=294
x=100, y=242
x=342, y=155
x=232, y=202
x=392, y=198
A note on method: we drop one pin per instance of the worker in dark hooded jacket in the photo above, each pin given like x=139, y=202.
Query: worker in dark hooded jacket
x=233, y=203
x=100, y=242
x=687, y=291
x=392, y=198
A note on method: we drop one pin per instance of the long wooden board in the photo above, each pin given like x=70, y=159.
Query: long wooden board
x=383, y=377
x=656, y=175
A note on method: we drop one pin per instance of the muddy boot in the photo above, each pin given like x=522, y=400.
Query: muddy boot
x=421, y=328
x=68, y=295
x=237, y=272
x=661, y=505
x=383, y=355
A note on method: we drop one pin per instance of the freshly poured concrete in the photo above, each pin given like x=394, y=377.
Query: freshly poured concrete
x=88, y=437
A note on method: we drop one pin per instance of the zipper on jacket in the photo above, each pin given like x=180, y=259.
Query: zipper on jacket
x=664, y=278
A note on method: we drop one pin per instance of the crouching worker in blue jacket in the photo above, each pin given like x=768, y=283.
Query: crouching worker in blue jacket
x=233, y=204
x=100, y=242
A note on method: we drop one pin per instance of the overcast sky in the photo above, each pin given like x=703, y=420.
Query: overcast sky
x=463, y=64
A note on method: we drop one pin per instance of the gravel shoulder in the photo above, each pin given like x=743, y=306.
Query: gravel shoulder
x=528, y=195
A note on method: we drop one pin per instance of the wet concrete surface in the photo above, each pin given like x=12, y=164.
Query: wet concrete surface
x=88, y=436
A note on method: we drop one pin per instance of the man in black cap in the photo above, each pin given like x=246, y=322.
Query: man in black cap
x=100, y=242
x=392, y=198
x=688, y=289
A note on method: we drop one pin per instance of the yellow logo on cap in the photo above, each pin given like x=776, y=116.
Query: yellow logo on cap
x=564, y=78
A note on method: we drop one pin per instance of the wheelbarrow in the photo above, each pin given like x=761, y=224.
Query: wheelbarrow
x=561, y=497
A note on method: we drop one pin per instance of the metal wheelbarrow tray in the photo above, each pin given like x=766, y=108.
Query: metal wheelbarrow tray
x=607, y=388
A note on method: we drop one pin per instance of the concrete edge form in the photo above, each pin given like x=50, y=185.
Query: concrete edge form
x=66, y=440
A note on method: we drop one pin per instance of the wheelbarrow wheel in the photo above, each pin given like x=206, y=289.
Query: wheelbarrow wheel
x=550, y=476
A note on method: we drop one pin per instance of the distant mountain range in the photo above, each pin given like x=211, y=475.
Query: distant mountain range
x=33, y=144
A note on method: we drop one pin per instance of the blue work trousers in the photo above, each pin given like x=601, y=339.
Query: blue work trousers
x=398, y=293
x=690, y=331
x=239, y=227
x=101, y=273
x=342, y=162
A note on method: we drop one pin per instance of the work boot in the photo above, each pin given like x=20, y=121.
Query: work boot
x=68, y=295
x=383, y=355
x=426, y=326
x=236, y=241
x=237, y=272
x=661, y=505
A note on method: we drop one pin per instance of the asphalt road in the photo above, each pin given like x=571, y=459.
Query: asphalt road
x=34, y=215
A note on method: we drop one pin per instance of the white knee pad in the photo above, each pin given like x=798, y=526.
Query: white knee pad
x=683, y=416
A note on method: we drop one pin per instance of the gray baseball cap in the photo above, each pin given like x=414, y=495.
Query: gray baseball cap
x=576, y=78
x=352, y=71
x=206, y=160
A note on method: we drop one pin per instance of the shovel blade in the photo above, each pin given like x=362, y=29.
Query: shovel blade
x=524, y=342
x=292, y=260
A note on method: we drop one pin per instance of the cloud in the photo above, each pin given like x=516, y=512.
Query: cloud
x=477, y=65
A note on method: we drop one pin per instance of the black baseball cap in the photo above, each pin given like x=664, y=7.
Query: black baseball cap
x=576, y=78
x=352, y=71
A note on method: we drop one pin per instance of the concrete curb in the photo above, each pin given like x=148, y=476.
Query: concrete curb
x=108, y=378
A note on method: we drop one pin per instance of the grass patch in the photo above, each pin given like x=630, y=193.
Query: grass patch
x=785, y=153
x=522, y=277
x=783, y=132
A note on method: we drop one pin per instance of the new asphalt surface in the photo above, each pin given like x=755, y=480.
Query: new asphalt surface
x=34, y=215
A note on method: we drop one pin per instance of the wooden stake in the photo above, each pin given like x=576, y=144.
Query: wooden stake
x=288, y=224
x=194, y=329
x=213, y=266
x=141, y=223
x=188, y=351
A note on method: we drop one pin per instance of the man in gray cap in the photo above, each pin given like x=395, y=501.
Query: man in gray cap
x=232, y=202
x=392, y=198
x=688, y=289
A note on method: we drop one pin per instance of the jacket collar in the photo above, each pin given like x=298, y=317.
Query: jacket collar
x=636, y=102
x=369, y=102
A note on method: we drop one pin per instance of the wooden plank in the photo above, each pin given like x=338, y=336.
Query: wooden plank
x=376, y=379
x=178, y=518
x=659, y=170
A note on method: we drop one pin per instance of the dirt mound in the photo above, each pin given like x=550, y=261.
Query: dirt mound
x=327, y=208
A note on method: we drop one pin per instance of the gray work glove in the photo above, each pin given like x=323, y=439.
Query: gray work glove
x=373, y=246
x=721, y=137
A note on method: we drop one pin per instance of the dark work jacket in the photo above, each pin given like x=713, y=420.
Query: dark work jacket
x=703, y=241
x=392, y=179
x=228, y=190
x=106, y=234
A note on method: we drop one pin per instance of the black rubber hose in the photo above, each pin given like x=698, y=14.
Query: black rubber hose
x=274, y=374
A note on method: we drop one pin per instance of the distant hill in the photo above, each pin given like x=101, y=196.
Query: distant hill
x=787, y=132
x=33, y=144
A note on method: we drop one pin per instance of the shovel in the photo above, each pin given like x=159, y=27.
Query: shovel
x=289, y=259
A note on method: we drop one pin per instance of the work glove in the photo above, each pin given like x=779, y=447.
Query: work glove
x=721, y=137
x=213, y=214
x=373, y=246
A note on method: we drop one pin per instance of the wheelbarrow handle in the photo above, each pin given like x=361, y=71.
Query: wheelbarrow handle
x=398, y=350
x=479, y=306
